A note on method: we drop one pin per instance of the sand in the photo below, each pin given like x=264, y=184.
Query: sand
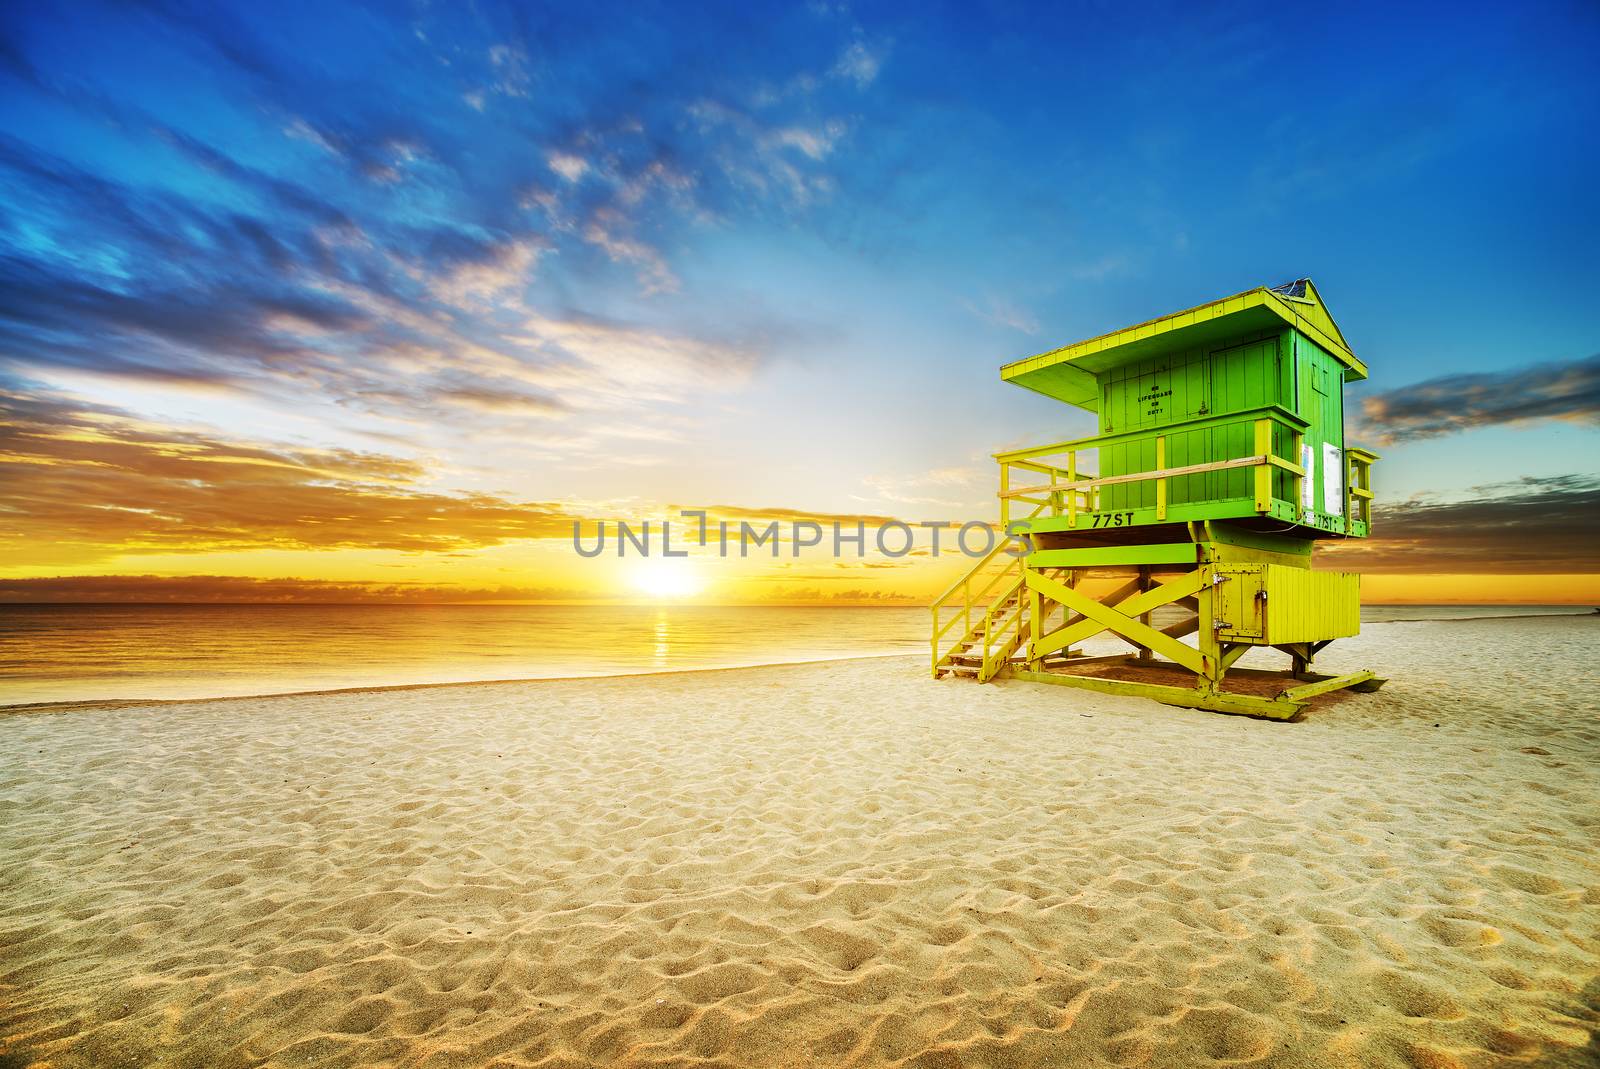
x=817, y=865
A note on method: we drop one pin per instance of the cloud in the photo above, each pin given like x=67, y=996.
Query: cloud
x=234, y=589
x=94, y=482
x=859, y=63
x=1003, y=313
x=785, y=516
x=854, y=596
x=509, y=62
x=404, y=326
x=396, y=240
x=300, y=130
x=476, y=283
x=504, y=398
x=1112, y=263
x=815, y=142
x=1534, y=526
x=929, y=488
x=775, y=162
x=1451, y=404
x=638, y=360
x=568, y=165
x=604, y=232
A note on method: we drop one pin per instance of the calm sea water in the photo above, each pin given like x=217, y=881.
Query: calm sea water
x=90, y=652
x=52, y=653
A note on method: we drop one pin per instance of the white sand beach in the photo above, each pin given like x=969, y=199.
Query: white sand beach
x=841, y=864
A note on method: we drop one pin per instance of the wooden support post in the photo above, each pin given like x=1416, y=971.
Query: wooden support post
x=1035, y=624
x=1231, y=655
x=1145, y=653
x=1005, y=501
x=1209, y=680
x=1072, y=495
x=1161, y=483
x=1297, y=440
x=966, y=611
x=1264, y=469
x=1300, y=654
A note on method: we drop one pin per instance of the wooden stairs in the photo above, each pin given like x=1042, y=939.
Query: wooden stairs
x=981, y=623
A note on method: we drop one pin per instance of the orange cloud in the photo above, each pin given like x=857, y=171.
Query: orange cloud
x=96, y=482
x=188, y=589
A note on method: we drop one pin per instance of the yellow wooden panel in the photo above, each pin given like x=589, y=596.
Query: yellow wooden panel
x=1269, y=604
x=1308, y=606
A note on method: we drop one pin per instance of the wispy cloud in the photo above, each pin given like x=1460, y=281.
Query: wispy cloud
x=606, y=231
x=1004, y=313
x=1102, y=267
x=509, y=65
x=498, y=279
x=941, y=487
x=860, y=63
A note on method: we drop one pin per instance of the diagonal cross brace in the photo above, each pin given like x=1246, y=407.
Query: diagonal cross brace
x=1120, y=618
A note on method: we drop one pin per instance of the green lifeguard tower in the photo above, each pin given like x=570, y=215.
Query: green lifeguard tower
x=1221, y=463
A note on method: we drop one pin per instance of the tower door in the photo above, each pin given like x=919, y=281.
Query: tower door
x=1240, y=602
x=1154, y=393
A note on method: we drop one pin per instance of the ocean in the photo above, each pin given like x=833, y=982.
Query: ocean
x=73, y=653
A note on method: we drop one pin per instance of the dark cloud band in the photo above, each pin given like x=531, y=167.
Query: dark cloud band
x=1453, y=403
x=1536, y=526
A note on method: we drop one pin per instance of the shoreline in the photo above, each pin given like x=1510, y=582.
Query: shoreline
x=382, y=688
x=70, y=704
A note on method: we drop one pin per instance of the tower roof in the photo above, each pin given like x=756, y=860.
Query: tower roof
x=1068, y=373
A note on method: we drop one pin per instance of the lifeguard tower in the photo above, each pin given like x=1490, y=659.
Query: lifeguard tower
x=1220, y=463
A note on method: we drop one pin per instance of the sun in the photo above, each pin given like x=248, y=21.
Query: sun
x=666, y=577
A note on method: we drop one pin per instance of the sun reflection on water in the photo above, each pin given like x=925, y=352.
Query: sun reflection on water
x=663, y=639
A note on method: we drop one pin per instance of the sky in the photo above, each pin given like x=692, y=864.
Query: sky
x=328, y=302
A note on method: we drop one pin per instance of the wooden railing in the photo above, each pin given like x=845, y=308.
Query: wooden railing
x=1070, y=491
x=984, y=590
x=1358, y=487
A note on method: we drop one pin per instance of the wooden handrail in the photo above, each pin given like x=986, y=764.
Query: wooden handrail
x=967, y=578
x=964, y=587
x=1162, y=473
x=1245, y=415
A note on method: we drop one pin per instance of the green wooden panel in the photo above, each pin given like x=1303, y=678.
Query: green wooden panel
x=1319, y=399
x=1161, y=553
x=1204, y=510
x=1236, y=376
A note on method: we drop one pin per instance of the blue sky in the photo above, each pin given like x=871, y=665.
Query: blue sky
x=773, y=256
